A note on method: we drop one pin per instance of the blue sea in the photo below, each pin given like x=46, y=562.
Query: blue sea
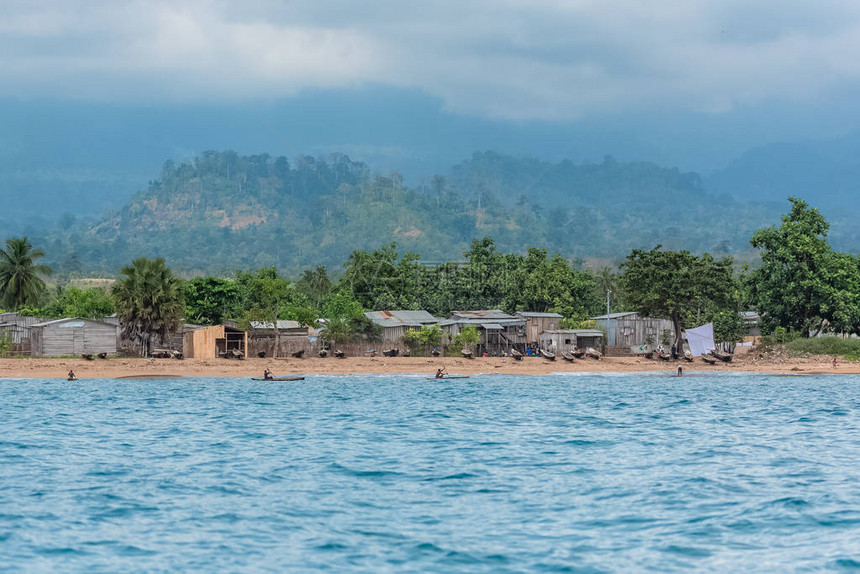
x=559, y=473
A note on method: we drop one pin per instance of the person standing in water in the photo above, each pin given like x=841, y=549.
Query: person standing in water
x=680, y=370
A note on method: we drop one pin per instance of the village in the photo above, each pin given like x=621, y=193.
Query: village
x=499, y=334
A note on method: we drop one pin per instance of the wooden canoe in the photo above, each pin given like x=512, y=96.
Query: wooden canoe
x=391, y=352
x=298, y=354
x=709, y=359
x=594, y=353
x=447, y=377
x=567, y=356
x=278, y=379
x=724, y=357
x=467, y=354
x=340, y=354
x=547, y=355
x=516, y=355
x=323, y=353
x=578, y=353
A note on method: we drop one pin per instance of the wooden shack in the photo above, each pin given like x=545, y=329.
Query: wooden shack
x=395, y=324
x=537, y=323
x=498, y=331
x=625, y=330
x=292, y=336
x=75, y=336
x=217, y=341
x=563, y=340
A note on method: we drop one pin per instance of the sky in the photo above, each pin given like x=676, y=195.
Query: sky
x=693, y=83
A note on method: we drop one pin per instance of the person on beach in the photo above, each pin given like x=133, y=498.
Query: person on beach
x=680, y=370
x=440, y=373
x=72, y=375
x=267, y=374
x=834, y=362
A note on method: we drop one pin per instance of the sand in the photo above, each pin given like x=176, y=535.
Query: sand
x=153, y=368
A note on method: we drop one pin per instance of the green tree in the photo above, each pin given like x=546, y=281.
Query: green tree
x=675, y=283
x=149, y=301
x=802, y=284
x=20, y=284
x=315, y=284
x=92, y=303
x=467, y=338
x=210, y=300
x=266, y=294
x=428, y=336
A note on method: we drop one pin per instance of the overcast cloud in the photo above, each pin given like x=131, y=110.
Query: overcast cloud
x=511, y=59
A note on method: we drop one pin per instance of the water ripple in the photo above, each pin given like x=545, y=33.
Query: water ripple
x=584, y=473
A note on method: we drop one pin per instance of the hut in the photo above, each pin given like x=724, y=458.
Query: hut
x=74, y=336
x=17, y=328
x=292, y=336
x=498, y=331
x=630, y=330
x=395, y=324
x=563, y=340
x=215, y=341
x=537, y=323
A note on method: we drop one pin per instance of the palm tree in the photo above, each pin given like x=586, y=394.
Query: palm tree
x=20, y=284
x=149, y=301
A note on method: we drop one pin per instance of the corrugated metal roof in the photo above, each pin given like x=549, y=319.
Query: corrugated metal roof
x=401, y=318
x=491, y=314
x=71, y=319
x=537, y=315
x=492, y=326
x=282, y=324
x=616, y=315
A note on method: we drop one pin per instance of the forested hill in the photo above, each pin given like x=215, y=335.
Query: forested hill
x=223, y=211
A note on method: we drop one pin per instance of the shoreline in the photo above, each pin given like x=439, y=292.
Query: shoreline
x=30, y=368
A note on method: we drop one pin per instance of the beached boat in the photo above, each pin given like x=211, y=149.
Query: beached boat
x=390, y=352
x=688, y=356
x=323, y=353
x=516, y=355
x=664, y=356
x=284, y=378
x=648, y=354
x=594, y=353
x=547, y=355
x=567, y=356
x=339, y=354
x=298, y=354
x=724, y=357
x=467, y=354
x=435, y=352
x=578, y=353
x=709, y=359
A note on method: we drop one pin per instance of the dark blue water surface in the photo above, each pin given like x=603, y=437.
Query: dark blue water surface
x=397, y=474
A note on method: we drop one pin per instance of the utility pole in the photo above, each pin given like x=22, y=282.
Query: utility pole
x=607, y=302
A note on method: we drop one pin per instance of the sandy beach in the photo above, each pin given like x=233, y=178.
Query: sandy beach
x=127, y=367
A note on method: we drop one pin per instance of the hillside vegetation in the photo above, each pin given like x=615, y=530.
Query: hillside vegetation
x=223, y=211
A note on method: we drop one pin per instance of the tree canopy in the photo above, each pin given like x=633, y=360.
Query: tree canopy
x=20, y=284
x=676, y=283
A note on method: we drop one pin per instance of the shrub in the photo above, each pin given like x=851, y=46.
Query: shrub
x=848, y=348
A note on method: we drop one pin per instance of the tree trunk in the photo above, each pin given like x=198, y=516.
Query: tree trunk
x=679, y=339
x=277, y=340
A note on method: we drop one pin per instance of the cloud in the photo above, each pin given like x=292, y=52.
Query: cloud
x=510, y=59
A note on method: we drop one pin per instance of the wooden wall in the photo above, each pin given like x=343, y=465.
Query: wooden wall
x=61, y=340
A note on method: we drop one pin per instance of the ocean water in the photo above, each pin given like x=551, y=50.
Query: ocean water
x=588, y=473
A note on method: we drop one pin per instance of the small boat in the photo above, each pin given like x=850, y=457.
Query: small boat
x=547, y=355
x=406, y=353
x=567, y=356
x=284, y=378
x=390, y=352
x=467, y=354
x=87, y=356
x=688, y=356
x=323, y=353
x=578, y=353
x=298, y=354
x=724, y=357
x=594, y=353
x=447, y=377
x=664, y=356
x=339, y=354
x=709, y=359
x=648, y=354
x=102, y=355
x=516, y=355
x=435, y=352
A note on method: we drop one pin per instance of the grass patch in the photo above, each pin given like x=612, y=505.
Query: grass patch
x=849, y=349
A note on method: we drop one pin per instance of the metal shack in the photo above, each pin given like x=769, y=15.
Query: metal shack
x=498, y=331
x=63, y=337
x=629, y=329
x=216, y=341
x=563, y=340
x=396, y=323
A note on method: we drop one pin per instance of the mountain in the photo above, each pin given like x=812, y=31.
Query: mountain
x=223, y=211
